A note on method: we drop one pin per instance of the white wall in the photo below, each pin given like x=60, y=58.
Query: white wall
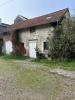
x=7, y=47
x=7, y=44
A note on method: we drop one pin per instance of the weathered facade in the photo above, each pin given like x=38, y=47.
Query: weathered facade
x=40, y=36
x=4, y=39
x=7, y=46
x=33, y=33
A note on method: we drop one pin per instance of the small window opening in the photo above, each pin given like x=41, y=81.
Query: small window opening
x=46, y=45
x=32, y=29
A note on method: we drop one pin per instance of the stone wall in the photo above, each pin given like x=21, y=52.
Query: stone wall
x=41, y=33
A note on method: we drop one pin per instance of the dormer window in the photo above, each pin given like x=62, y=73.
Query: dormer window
x=48, y=18
x=32, y=29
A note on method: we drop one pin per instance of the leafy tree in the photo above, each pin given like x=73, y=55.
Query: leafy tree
x=62, y=44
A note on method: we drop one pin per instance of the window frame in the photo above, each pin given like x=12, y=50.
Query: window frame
x=45, y=45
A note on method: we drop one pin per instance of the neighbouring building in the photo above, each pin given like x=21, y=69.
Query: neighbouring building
x=25, y=35
x=3, y=40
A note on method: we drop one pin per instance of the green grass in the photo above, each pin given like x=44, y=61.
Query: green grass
x=68, y=65
x=30, y=78
x=13, y=57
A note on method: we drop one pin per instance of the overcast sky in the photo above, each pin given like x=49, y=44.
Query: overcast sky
x=9, y=9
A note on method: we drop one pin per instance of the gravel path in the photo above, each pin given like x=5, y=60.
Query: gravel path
x=54, y=82
x=27, y=64
x=8, y=89
x=63, y=72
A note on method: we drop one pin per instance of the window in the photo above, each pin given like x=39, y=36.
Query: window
x=5, y=33
x=45, y=45
x=32, y=29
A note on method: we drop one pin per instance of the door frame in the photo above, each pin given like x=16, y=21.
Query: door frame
x=32, y=40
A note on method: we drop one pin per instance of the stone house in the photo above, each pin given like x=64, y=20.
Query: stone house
x=33, y=33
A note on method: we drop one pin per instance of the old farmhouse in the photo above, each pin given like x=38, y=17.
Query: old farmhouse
x=25, y=35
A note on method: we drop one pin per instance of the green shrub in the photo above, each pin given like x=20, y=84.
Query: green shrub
x=62, y=45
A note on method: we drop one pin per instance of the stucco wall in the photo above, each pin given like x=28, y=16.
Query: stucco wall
x=7, y=44
x=41, y=33
x=24, y=37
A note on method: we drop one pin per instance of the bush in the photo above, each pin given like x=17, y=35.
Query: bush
x=62, y=45
x=40, y=55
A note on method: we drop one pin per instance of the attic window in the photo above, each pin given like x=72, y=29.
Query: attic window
x=48, y=18
x=32, y=29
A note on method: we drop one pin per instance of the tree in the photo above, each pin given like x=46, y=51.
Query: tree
x=62, y=44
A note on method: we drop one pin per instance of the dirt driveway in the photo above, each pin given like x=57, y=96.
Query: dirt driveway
x=24, y=80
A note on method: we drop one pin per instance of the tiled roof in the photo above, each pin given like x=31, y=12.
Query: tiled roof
x=3, y=26
x=45, y=19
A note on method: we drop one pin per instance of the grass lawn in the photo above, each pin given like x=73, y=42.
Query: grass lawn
x=13, y=57
x=68, y=65
x=25, y=80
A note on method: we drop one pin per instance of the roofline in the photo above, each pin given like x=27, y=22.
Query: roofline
x=66, y=9
x=13, y=28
